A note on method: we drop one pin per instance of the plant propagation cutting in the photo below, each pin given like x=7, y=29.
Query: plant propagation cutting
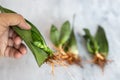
x=97, y=46
x=65, y=45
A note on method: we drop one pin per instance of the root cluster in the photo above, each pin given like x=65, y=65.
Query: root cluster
x=60, y=57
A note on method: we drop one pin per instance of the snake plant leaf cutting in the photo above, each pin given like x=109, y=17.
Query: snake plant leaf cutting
x=33, y=39
x=97, y=45
x=66, y=48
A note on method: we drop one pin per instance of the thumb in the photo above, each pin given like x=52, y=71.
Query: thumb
x=11, y=19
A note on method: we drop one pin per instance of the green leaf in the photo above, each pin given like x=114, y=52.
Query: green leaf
x=91, y=42
x=54, y=35
x=36, y=35
x=71, y=44
x=38, y=53
x=64, y=33
x=30, y=36
x=90, y=47
x=101, y=39
x=5, y=10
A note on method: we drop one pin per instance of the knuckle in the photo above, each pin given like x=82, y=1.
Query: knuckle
x=20, y=17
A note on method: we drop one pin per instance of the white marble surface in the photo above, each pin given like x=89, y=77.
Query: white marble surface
x=89, y=13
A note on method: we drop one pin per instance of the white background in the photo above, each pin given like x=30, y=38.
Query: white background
x=89, y=13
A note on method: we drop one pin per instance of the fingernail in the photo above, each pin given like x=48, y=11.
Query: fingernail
x=24, y=26
x=28, y=26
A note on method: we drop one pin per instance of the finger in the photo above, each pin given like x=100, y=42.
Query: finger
x=17, y=40
x=16, y=46
x=12, y=52
x=11, y=19
x=14, y=35
x=17, y=54
x=10, y=33
x=23, y=49
x=10, y=42
x=9, y=52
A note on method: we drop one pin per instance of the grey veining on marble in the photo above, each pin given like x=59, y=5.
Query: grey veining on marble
x=89, y=14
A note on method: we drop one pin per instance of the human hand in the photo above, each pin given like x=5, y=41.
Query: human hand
x=10, y=43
